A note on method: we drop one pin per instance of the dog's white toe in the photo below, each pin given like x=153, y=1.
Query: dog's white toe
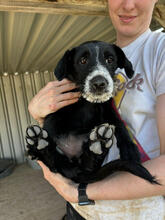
x=33, y=131
x=29, y=141
x=101, y=130
x=93, y=135
x=30, y=132
x=37, y=129
x=109, y=143
x=109, y=131
x=44, y=134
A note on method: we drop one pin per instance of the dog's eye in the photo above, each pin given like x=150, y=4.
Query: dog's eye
x=83, y=60
x=109, y=59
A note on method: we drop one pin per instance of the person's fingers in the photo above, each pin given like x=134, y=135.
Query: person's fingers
x=68, y=96
x=53, y=89
x=46, y=171
x=65, y=88
x=52, y=85
x=57, y=83
x=67, y=102
x=63, y=100
x=51, y=98
x=62, y=104
x=62, y=82
x=48, y=174
x=42, y=165
x=64, y=186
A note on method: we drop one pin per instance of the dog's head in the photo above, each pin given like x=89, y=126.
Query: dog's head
x=91, y=66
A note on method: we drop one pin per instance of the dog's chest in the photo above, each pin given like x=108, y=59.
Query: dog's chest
x=79, y=118
x=71, y=145
x=69, y=127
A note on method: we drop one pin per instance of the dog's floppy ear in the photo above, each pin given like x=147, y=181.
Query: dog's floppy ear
x=123, y=62
x=61, y=69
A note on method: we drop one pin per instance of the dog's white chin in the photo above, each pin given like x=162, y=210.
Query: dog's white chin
x=97, y=98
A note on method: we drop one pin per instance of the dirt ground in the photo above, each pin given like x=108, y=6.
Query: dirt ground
x=25, y=195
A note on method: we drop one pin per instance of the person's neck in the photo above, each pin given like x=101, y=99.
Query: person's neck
x=123, y=41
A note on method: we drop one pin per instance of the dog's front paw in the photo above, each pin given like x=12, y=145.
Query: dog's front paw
x=101, y=137
x=36, y=139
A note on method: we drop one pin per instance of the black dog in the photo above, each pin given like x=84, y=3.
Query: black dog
x=75, y=140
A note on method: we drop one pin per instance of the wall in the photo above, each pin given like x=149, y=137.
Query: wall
x=15, y=93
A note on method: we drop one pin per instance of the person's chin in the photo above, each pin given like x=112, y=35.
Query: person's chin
x=128, y=30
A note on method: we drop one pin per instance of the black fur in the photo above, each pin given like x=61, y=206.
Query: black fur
x=78, y=120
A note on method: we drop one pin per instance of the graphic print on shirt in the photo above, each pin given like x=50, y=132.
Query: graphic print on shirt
x=123, y=84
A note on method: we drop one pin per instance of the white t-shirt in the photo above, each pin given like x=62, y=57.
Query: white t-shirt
x=136, y=101
x=137, y=96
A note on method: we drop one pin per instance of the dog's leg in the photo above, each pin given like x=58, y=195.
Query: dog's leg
x=128, y=150
x=38, y=146
x=130, y=155
x=99, y=142
x=101, y=138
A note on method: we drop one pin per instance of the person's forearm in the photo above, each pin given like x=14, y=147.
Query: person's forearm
x=123, y=185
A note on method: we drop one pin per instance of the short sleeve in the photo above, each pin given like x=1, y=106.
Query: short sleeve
x=160, y=73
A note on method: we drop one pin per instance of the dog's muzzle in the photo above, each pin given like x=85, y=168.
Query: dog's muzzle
x=99, y=86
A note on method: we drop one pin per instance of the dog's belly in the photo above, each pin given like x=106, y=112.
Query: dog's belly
x=71, y=145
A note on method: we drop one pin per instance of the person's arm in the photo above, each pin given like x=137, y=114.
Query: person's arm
x=121, y=185
x=127, y=186
x=51, y=98
x=124, y=185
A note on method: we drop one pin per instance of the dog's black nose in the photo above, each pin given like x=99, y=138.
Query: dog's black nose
x=98, y=84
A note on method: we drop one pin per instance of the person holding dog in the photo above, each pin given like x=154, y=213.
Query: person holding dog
x=142, y=104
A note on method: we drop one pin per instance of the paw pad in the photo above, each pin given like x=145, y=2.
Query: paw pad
x=36, y=137
x=96, y=147
x=101, y=137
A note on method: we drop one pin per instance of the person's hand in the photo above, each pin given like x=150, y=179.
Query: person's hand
x=65, y=187
x=51, y=98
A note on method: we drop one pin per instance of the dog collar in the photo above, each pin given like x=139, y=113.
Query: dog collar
x=82, y=196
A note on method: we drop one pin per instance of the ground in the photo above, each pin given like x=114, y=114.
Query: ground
x=25, y=195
